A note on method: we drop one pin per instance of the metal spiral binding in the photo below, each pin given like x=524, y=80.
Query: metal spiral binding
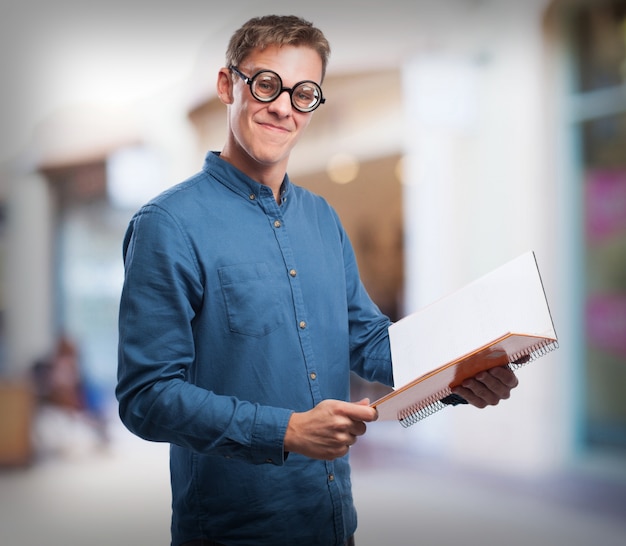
x=521, y=359
x=411, y=415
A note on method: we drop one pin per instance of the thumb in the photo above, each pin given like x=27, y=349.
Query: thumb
x=366, y=417
x=366, y=402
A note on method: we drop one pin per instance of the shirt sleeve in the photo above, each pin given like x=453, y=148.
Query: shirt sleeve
x=162, y=290
x=370, y=352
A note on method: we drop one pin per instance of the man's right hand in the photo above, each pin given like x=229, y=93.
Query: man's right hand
x=329, y=429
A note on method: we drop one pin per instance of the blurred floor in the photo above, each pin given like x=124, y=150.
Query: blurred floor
x=120, y=496
x=431, y=503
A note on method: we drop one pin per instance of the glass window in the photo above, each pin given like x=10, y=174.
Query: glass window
x=599, y=38
x=600, y=44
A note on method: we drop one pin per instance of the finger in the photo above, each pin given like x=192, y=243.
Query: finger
x=359, y=411
x=506, y=375
x=470, y=396
x=481, y=393
x=488, y=385
x=500, y=381
x=357, y=428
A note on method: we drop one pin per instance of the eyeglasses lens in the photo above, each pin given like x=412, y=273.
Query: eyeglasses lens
x=266, y=86
x=305, y=97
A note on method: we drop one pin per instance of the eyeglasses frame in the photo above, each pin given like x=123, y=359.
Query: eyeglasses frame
x=249, y=80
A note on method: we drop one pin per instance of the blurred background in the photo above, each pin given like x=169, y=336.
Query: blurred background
x=456, y=135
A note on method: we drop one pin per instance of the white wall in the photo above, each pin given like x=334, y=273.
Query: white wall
x=476, y=197
x=29, y=284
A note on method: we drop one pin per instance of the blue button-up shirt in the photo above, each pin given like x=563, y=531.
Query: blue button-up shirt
x=235, y=312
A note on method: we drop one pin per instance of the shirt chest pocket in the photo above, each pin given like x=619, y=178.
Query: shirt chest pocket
x=252, y=299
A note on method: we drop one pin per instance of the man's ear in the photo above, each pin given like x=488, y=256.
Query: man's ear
x=225, y=86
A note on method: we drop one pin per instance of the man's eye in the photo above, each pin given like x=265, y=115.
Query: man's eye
x=267, y=86
x=306, y=96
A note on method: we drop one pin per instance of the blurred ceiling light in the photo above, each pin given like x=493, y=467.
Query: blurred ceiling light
x=342, y=168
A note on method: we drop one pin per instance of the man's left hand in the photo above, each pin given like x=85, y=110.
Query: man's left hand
x=489, y=387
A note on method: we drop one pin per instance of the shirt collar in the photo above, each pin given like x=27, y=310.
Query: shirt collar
x=231, y=177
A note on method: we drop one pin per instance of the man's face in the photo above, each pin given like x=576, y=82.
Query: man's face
x=264, y=133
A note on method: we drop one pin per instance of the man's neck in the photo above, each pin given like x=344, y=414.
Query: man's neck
x=271, y=176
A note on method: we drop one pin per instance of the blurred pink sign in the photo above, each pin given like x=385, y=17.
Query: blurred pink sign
x=605, y=204
x=606, y=322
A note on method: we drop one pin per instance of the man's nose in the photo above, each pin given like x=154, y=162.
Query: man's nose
x=282, y=103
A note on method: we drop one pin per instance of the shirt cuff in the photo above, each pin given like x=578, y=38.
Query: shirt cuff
x=268, y=435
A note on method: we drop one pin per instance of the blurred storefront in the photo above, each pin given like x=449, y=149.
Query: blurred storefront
x=595, y=34
x=442, y=166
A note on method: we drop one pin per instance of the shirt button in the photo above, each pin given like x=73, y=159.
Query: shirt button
x=252, y=197
x=269, y=461
x=313, y=376
x=277, y=223
x=331, y=477
x=292, y=272
x=302, y=325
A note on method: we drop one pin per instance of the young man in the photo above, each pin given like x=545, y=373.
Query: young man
x=242, y=315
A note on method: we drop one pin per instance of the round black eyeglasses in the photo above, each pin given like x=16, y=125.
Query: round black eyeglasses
x=266, y=86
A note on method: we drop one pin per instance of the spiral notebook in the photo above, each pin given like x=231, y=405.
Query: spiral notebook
x=502, y=318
